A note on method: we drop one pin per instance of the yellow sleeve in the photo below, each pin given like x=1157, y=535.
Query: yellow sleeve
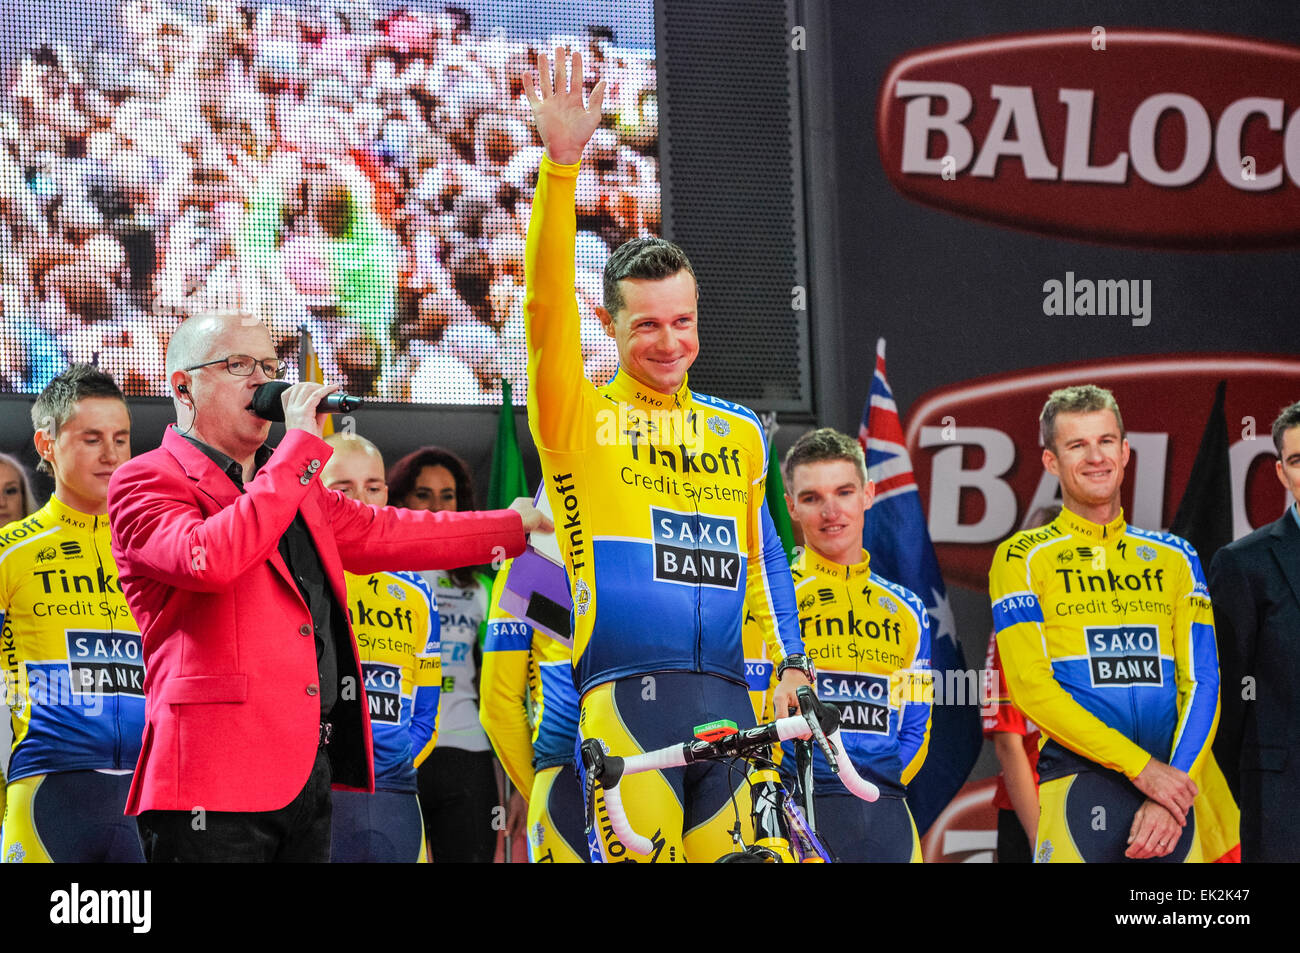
x=1018, y=621
x=503, y=701
x=558, y=393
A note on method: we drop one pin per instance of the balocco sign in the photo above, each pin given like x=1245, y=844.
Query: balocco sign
x=1136, y=137
x=978, y=462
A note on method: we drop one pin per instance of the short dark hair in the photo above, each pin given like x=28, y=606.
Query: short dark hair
x=649, y=258
x=1290, y=417
x=824, y=444
x=56, y=404
x=1079, y=399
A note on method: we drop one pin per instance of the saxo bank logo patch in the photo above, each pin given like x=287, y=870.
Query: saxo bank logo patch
x=105, y=663
x=695, y=549
x=383, y=691
x=1124, y=655
x=863, y=699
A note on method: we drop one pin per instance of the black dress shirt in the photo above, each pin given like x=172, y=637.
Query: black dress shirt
x=299, y=553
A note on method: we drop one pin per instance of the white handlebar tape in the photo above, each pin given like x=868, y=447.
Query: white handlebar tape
x=622, y=829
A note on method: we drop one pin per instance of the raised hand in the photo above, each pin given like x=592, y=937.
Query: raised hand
x=563, y=121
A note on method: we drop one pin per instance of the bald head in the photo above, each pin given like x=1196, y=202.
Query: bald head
x=356, y=469
x=212, y=404
x=197, y=338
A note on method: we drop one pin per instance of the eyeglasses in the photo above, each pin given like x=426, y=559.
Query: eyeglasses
x=242, y=365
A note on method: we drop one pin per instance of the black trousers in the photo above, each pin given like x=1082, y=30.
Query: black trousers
x=458, y=795
x=299, y=832
x=1013, y=842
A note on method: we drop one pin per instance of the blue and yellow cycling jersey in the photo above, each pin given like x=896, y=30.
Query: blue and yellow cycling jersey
x=73, y=665
x=529, y=705
x=395, y=620
x=1107, y=641
x=760, y=669
x=658, y=498
x=869, y=639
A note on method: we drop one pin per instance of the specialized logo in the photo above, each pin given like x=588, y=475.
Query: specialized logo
x=695, y=549
x=105, y=663
x=975, y=450
x=863, y=699
x=1123, y=655
x=383, y=691
x=1132, y=143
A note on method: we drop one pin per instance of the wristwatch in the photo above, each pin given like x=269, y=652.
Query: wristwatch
x=799, y=661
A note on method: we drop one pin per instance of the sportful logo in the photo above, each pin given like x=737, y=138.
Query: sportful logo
x=1154, y=138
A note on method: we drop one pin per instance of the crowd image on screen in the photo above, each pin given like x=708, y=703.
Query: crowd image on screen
x=365, y=176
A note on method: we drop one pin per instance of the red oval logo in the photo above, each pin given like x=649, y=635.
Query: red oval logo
x=1134, y=137
x=975, y=447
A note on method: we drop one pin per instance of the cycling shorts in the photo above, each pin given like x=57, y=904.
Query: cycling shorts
x=381, y=828
x=1086, y=818
x=688, y=813
x=556, y=821
x=858, y=832
x=70, y=817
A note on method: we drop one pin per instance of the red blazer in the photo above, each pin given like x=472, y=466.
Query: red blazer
x=232, y=711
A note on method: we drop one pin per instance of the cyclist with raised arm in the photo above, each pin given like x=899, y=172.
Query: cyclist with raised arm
x=658, y=498
x=1106, y=636
x=869, y=639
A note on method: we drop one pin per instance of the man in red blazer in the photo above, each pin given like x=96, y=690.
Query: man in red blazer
x=231, y=559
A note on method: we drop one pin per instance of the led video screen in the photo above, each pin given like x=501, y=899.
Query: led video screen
x=357, y=174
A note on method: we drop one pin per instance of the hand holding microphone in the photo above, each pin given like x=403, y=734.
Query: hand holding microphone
x=302, y=406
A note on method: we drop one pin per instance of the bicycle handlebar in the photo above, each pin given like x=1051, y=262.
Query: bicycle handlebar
x=817, y=718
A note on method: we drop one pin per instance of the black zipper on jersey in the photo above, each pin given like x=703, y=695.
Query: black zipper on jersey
x=1132, y=694
x=695, y=533
x=117, y=698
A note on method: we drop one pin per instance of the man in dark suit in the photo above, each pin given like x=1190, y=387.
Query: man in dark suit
x=1255, y=584
x=231, y=558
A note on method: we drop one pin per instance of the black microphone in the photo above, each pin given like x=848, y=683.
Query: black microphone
x=266, y=401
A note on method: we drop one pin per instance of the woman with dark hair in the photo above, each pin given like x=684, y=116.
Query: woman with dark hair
x=457, y=782
x=16, y=499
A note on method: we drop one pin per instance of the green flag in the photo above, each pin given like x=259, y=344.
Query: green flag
x=507, y=482
x=776, y=501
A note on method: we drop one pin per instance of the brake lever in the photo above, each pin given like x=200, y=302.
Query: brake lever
x=811, y=709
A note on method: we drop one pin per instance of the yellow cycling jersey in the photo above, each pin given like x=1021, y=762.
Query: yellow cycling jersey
x=395, y=620
x=529, y=707
x=1107, y=641
x=658, y=498
x=869, y=640
x=73, y=665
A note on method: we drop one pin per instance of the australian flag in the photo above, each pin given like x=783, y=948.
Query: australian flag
x=896, y=536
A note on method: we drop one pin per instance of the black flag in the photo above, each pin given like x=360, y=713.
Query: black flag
x=1205, y=512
